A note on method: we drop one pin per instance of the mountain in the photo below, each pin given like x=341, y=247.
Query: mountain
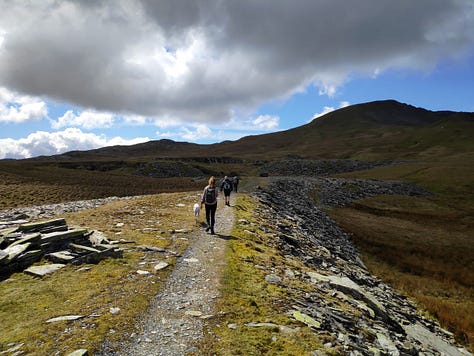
x=376, y=130
x=380, y=130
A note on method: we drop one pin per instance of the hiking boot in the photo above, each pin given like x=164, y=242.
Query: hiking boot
x=208, y=228
x=212, y=231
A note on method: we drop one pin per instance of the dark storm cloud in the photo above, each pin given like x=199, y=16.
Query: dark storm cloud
x=202, y=60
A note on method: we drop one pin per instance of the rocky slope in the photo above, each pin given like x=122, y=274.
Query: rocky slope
x=367, y=316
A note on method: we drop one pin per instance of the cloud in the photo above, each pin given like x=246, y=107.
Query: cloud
x=200, y=133
x=86, y=119
x=266, y=122
x=200, y=61
x=328, y=109
x=50, y=143
x=20, y=108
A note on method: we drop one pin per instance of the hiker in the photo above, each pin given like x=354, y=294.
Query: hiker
x=209, y=198
x=235, y=183
x=226, y=186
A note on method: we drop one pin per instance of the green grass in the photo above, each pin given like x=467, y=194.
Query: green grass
x=26, y=302
x=247, y=297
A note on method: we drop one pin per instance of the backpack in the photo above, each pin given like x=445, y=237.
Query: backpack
x=227, y=185
x=210, y=197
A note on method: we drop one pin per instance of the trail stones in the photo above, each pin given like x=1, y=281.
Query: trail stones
x=195, y=313
x=161, y=265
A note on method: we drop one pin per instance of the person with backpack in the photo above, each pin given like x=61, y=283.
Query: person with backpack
x=209, y=199
x=226, y=186
x=235, y=183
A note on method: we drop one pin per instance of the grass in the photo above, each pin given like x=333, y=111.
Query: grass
x=248, y=298
x=26, y=302
x=422, y=245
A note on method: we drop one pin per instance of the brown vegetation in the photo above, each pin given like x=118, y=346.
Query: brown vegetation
x=25, y=184
x=422, y=248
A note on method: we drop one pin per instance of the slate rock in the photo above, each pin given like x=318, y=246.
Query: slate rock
x=80, y=352
x=16, y=250
x=65, y=318
x=161, y=265
x=273, y=278
x=432, y=341
x=41, y=271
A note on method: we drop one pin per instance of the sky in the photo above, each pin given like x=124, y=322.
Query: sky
x=79, y=75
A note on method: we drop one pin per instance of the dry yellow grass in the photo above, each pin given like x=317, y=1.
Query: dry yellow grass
x=421, y=248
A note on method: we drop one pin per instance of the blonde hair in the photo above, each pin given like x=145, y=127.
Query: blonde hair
x=212, y=181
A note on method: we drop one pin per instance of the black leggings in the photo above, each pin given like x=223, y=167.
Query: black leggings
x=211, y=214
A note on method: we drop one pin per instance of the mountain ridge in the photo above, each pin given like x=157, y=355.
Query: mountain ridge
x=375, y=130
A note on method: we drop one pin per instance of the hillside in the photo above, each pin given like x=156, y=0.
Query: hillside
x=380, y=130
x=383, y=130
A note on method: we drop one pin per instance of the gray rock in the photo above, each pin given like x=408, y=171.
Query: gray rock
x=16, y=250
x=3, y=257
x=65, y=318
x=273, y=278
x=41, y=271
x=161, y=265
x=387, y=345
x=80, y=352
x=432, y=341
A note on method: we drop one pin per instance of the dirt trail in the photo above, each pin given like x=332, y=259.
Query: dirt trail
x=174, y=322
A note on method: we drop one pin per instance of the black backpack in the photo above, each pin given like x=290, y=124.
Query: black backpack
x=210, y=196
x=227, y=185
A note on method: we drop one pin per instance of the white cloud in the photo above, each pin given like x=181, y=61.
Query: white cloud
x=164, y=134
x=20, y=108
x=50, y=143
x=86, y=119
x=266, y=122
x=201, y=132
x=328, y=109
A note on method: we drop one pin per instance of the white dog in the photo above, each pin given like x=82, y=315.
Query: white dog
x=196, y=210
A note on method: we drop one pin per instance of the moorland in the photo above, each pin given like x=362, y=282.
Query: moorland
x=422, y=246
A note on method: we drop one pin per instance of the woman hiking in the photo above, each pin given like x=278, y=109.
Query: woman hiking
x=226, y=186
x=209, y=198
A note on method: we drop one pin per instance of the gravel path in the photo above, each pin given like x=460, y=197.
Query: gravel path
x=174, y=322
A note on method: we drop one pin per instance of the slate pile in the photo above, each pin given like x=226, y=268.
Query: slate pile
x=360, y=314
x=26, y=243
x=316, y=168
